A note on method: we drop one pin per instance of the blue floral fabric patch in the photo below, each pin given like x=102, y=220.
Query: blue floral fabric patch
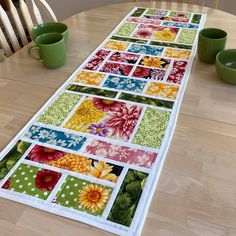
x=181, y=25
x=54, y=137
x=146, y=49
x=124, y=83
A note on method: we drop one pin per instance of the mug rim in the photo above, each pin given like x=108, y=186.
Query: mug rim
x=217, y=58
x=45, y=34
x=220, y=30
x=49, y=23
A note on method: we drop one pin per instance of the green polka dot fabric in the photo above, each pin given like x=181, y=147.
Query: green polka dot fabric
x=152, y=128
x=23, y=180
x=70, y=195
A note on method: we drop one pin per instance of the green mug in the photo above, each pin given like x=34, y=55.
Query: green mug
x=50, y=27
x=51, y=49
x=210, y=42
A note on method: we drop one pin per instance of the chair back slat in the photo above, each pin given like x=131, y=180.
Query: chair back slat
x=4, y=44
x=26, y=15
x=36, y=12
x=48, y=10
x=8, y=27
x=18, y=24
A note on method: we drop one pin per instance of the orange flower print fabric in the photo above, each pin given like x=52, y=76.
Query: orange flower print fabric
x=176, y=53
x=90, y=78
x=163, y=90
x=115, y=45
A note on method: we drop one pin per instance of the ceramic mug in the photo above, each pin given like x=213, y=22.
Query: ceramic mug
x=211, y=41
x=50, y=27
x=51, y=50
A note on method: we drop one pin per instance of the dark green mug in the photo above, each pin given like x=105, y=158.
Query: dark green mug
x=50, y=27
x=51, y=50
x=210, y=42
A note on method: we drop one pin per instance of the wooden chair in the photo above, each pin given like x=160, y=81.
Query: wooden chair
x=12, y=40
x=214, y=3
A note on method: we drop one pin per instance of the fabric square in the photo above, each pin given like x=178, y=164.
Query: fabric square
x=115, y=45
x=12, y=157
x=125, y=205
x=148, y=73
x=54, y=137
x=163, y=90
x=121, y=153
x=124, y=57
x=76, y=163
x=126, y=29
x=177, y=53
x=146, y=49
x=106, y=118
x=180, y=25
x=187, y=36
x=177, y=73
x=159, y=12
x=155, y=62
x=83, y=195
x=89, y=77
x=167, y=18
x=116, y=68
x=33, y=181
x=152, y=128
x=56, y=113
x=143, y=20
x=124, y=83
x=139, y=12
x=97, y=60
x=180, y=14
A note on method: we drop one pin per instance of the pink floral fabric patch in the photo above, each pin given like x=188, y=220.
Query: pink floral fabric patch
x=96, y=60
x=121, y=153
x=177, y=73
x=116, y=68
x=124, y=57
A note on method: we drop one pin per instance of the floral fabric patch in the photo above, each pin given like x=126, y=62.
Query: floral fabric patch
x=106, y=118
x=90, y=78
x=143, y=20
x=117, y=68
x=114, y=45
x=129, y=39
x=121, y=153
x=148, y=73
x=159, y=12
x=146, y=100
x=56, y=113
x=146, y=49
x=177, y=53
x=83, y=195
x=196, y=18
x=126, y=29
x=32, y=181
x=155, y=62
x=180, y=14
x=139, y=12
x=12, y=157
x=75, y=163
x=152, y=128
x=126, y=202
x=187, y=36
x=124, y=83
x=54, y=137
x=167, y=18
x=97, y=60
x=172, y=45
x=163, y=90
x=124, y=57
x=177, y=73
x=180, y=25
x=89, y=90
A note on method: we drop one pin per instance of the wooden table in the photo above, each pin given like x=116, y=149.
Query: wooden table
x=196, y=194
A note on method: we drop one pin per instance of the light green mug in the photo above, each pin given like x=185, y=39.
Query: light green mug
x=51, y=49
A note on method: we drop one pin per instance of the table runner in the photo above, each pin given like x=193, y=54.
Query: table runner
x=95, y=150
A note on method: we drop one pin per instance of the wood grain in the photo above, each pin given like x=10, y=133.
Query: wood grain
x=196, y=194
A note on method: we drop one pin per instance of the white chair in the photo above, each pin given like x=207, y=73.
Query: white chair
x=10, y=41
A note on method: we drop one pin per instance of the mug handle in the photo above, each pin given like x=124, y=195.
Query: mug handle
x=34, y=48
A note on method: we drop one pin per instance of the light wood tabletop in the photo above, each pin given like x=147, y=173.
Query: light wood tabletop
x=196, y=193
